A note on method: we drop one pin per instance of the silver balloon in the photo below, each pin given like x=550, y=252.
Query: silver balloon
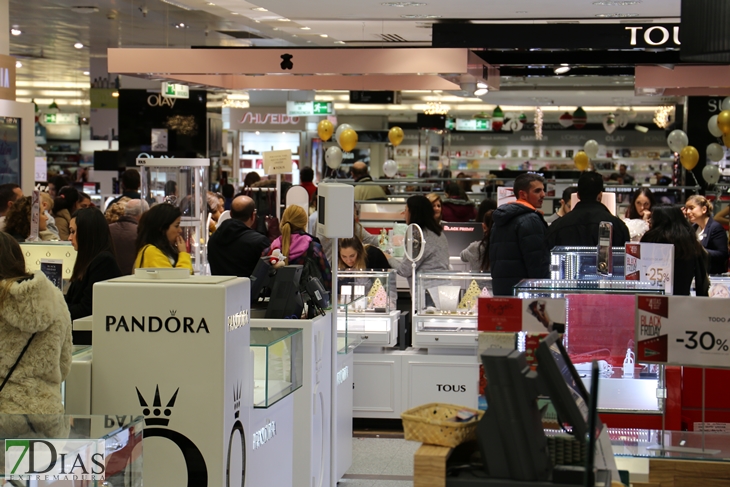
x=591, y=148
x=726, y=103
x=715, y=152
x=713, y=128
x=333, y=157
x=390, y=168
x=677, y=140
x=711, y=174
x=341, y=128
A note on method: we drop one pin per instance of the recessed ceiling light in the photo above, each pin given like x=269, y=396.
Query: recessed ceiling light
x=115, y=94
x=339, y=42
x=283, y=20
x=78, y=45
x=18, y=64
x=481, y=85
x=305, y=28
x=86, y=73
x=15, y=31
x=275, y=28
x=323, y=35
x=235, y=13
x=403, y=4
x=617, y=16
x=259, y=9
x=420, y=16
x=616, y=3
x=481, y=92
x=562, y=70
x=210, y=3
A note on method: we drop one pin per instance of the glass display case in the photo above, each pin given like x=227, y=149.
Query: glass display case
x=446, y=308
x=367, y=309
x=600, y=325
x=579, y=263
x=277, y=365
x=82, y=443
x=182, y=183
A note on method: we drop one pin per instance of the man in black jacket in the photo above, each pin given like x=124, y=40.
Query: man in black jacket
x=517, y=247
x=235, y=247
x=580, y=226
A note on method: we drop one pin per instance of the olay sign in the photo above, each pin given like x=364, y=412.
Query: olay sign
x=261, y=118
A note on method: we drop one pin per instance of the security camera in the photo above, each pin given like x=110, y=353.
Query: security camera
x=144, y=10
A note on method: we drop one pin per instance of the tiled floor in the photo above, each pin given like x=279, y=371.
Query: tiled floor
x=380, y=462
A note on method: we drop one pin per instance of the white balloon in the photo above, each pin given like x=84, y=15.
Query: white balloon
x=591, y=148
x=726, y=103
x=712, y=126
x=390, y=168
x=715, y=152
x=333, y=157
x=711, y=174
x=677, y=140
x=341, y=128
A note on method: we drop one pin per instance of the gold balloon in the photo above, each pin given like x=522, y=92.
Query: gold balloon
x=726, y=140
x=325, y=129
x=581, y=160
x=689, y=157
x=723, y=121
x=395, y=135
x=348, y=140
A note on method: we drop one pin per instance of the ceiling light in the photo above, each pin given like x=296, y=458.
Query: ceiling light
x=15, y=31
x=616, y=3
x=259, y=9
x=283, y=20
x=78, y=45
x=235, y=13
x=323, y=35
x=616, y=16
x=420, y=16
x=18, y=64
x=86, y=73
x=115, y=94
x=403, y=4
x=210, y=3
x=481, y=91
x=258, y=133
x=306, y=28
x=339, y=42
x=174, y=4
x=562, y=69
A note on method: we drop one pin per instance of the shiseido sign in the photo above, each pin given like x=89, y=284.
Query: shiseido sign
x=262, y=118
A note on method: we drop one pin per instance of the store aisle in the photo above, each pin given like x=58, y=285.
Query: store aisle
x=381, y=462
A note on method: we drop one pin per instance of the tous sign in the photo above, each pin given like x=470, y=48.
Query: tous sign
x=652, y=39
x=269, y=118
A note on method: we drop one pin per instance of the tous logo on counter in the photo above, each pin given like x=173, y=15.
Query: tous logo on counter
x=154, y=324
x=451, y=388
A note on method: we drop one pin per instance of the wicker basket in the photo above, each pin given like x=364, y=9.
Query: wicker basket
x=433, y=424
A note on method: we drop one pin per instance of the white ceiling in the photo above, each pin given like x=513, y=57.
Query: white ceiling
x=53, y=68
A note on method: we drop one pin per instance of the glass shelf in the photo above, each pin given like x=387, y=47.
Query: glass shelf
x=278, y=364
x=534, y=288
x=579, y=263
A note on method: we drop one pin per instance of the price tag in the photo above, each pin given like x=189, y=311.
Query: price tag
x=682, y=330
x=277, y=162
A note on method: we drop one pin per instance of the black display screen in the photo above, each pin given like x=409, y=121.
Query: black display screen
x=9, y=150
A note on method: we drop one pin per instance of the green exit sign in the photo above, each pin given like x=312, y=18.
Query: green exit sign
x=309, y=108
x=61, y=118
x=474, y=124
x=173, y=90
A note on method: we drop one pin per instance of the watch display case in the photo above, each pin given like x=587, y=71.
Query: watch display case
x=278, y=363
x=446, y=308
x=368, y=313
x=600, y=325
x=182, y=183
x=579, y=263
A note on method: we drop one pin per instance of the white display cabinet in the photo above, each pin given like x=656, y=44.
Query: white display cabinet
x=446, y=309
x=175, y=348
x=183, y=183
x=368, y=316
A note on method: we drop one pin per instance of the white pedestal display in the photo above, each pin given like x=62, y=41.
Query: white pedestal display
x=312, y=402
x=177, y=352
x=343, y=415
x=271, y=438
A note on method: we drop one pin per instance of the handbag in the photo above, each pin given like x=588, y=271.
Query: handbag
x=12, y=369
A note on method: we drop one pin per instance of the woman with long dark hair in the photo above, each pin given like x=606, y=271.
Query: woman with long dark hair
x=669, y=226
x=639, y=212
x=709, y=232
x=159, y=239
x=65, y=205
x=36, y=335
x=436, y=252
x=95, y=259
x=477, y=253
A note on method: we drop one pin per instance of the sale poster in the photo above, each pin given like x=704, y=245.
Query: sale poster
x=682, y=330
x=516, y=314
x=651, y=262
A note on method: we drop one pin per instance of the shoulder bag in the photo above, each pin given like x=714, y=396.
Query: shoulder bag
x=12, y=369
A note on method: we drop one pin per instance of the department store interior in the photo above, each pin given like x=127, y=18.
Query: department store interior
x=603, y=362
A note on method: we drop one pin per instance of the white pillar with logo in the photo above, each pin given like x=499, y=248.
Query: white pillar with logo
x=175, y=348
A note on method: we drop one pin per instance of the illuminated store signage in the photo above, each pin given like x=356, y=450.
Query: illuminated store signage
x=656, y=35
x=308, y=108
x=470, y=124
x=268, y=118
x=158, y=100
x=173, y=90
x=261, y=118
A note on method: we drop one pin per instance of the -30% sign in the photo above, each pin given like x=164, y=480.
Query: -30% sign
x=705, y=340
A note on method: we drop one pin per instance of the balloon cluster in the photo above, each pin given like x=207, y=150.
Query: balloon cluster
x=719, y=126
x=346, y=139
x=583, y=158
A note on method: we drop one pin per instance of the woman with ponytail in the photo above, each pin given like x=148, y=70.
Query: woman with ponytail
x=297, y=246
